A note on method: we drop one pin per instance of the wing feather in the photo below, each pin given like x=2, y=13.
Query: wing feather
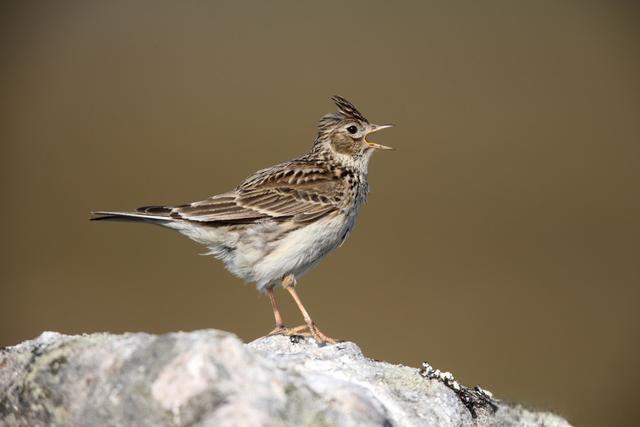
x=297, y=190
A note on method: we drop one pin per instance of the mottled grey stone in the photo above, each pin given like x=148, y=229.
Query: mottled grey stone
x=210, y=378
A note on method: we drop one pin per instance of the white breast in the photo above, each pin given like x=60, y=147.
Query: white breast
x=302, y=249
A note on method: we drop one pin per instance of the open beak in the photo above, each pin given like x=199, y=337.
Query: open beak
x=376, y=128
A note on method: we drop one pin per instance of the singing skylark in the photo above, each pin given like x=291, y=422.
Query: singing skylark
x=282, y=220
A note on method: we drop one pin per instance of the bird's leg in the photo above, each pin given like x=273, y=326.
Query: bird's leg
x=280, y=328
x=289, y=282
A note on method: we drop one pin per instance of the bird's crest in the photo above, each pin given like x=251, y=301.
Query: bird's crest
x=348, y=110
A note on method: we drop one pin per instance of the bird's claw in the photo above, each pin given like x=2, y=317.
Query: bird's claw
x=313, y=331
x=303, y=331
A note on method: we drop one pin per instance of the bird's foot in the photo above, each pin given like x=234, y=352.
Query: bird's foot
x=278, y=330
x=306, y=330
x=319, y=336
x=302, y=330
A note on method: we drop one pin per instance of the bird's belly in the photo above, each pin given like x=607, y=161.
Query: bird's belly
x=301, y=249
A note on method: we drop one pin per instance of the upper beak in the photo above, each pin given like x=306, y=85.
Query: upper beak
x=376, y=128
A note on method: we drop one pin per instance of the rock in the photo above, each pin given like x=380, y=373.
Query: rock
x=210, y=378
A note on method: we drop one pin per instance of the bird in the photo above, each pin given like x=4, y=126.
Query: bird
x=281, y=221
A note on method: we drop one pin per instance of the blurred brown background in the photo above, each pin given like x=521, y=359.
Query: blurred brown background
x=500, y=242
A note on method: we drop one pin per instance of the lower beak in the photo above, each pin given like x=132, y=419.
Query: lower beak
x=379, y=146
x=375, y=146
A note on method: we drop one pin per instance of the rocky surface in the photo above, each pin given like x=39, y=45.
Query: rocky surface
x=211, y=378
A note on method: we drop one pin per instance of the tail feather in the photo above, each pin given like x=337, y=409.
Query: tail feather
x=155, y=210
x=131, y=216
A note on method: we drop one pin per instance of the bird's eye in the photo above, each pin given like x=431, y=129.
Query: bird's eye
x=352, y=129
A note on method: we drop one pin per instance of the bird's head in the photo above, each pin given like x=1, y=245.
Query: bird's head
x=345, y=133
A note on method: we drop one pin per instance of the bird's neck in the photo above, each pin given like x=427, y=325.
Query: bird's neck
x=359, y=164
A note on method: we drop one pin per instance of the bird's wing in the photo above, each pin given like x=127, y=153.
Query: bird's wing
x=299, y=190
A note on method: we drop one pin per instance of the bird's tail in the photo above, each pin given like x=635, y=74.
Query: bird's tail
x=150, y=214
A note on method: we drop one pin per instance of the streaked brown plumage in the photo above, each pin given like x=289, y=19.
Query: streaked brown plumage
x=282, y=220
